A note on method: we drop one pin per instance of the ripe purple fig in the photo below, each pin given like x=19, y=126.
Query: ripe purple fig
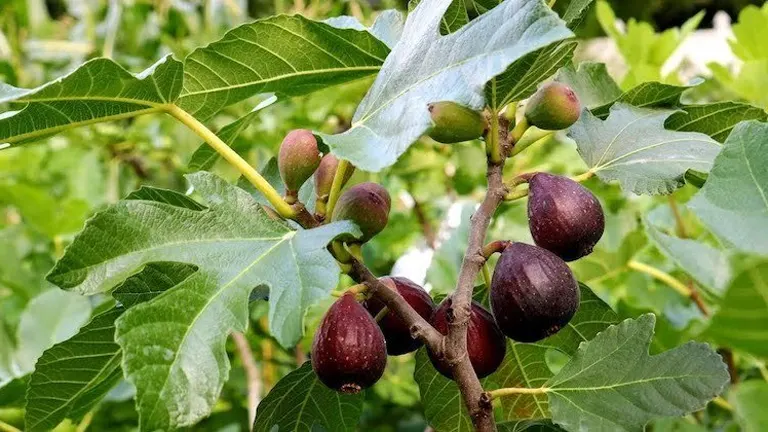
x=564, y=216
x=298, y=158
x=325, y=173
x=554, y=106
x=452, y=123
x=367, y=205
x=349, y=353
x=396, y=332
x=486, y=345
x=533, y=293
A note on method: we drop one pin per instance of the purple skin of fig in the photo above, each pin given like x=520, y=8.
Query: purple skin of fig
x=325, y=173
x=533, y=293
x=564, y=216
x=554, y=106
x=486, y=345
x=349, y=353
x=297, y=159
x=367, y=205
x=396, y=332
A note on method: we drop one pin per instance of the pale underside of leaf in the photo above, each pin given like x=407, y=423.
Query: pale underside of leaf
x=425, y=67
x=633, y=147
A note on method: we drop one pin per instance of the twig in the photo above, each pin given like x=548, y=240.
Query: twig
x=679, y=222
x=674, y=283
x=727, y=356
x=495, y=394
x=252, y=374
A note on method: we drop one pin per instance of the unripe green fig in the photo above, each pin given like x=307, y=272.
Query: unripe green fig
x=325, y=173
x=554, y=106
x=396, y=331
x=349, y=353
x=564, y=216
x=452, y=123
x=485, y=342
x=297, y=159
x=365, y=204
x=533, y=293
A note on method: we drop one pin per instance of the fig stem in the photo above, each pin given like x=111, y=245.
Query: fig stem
x=338, y=181
x=583, y=177
x=382, y=313
x=533, y=136
x=487, y=276
x=511, y=391
x=492, y=145
x=5, y=427
x=340, y=252
x=355, y=249
x=496, y=246
x=518, y=131
x=552, y=3
x=234, y=159
x=682, y=232
x=668, y=279
x=722, y=403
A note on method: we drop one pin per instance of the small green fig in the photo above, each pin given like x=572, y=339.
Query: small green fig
x=554, y=106
x=298, y=158
x=367, y=205
x=454, y=123
x=325, y=173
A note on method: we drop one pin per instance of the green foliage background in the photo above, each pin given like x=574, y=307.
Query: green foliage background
x=50, y=188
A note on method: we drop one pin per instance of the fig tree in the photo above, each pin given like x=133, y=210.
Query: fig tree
x=325, y=173
x=365, y=204
x=564, y=216
x=485, y=342
x=349, y=353
x=297, y=159
x=533, y=293
x=452, y=123
x=396, y=332
x=554, y=106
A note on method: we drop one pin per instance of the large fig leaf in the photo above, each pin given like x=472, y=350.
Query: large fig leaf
x=74, y=375
x=99, y=90
x=287, y=55
x=633, y=147
x=426, y=67
x=734, y=201
x=174, y=345
x=612, y=384
x=300, y=401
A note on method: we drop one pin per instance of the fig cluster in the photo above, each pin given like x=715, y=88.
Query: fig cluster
x=349, y=351
x=365, y=204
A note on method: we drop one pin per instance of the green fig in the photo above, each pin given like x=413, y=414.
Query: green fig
x=298, y=158
x=554, y=106
x=452, y=123
x=367, y=205
x=325, y=173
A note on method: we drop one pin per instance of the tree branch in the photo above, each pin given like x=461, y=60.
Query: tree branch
x=252, y=374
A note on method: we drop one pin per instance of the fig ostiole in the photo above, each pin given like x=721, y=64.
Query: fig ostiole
x=533, y=293
x=367, y=205
x=486, y=345
x=554, y=106
x=453, y=123
x=396, y=332
x=349, y=352
x=297, y=159
x=564, y=216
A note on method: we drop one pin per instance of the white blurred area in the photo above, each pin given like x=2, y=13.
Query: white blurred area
x=689, y=60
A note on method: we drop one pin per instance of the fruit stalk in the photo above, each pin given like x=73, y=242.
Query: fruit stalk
x=338, y=182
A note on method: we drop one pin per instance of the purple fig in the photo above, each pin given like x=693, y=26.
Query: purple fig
x=533, y=293
x=486, y=345
x=452, y=123
x=554, y=106
x=297, y=159
x=367, y=205
x=349, y=353
x=396, y=332
x=564, y=216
